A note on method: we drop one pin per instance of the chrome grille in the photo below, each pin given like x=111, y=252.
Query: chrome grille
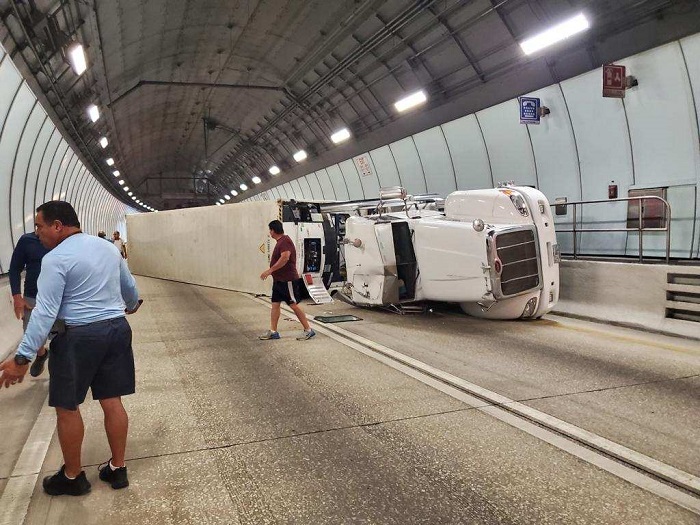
x=517, y=252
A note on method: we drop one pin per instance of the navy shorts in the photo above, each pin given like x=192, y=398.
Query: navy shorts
x=96, y=356
x=285, y=291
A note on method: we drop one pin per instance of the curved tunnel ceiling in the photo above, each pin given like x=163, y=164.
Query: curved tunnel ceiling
x=198, y=97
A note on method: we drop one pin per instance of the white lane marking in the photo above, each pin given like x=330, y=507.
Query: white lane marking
x=15, y=499
x=512, y=413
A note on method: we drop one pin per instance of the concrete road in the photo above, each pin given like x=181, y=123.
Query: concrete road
x=229, y=429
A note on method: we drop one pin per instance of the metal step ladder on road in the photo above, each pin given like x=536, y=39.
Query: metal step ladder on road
x=317, y=290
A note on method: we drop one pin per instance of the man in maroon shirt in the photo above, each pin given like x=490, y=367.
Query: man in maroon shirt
x=285, y=282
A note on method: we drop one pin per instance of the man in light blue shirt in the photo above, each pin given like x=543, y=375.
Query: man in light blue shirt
x=85, y=285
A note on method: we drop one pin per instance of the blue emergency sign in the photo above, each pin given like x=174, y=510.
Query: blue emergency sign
x=529, y=110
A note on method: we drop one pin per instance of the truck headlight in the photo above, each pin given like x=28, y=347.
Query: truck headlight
x=519, y=204
x=529, y=309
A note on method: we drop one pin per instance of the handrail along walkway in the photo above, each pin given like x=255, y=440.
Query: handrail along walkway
x=640, y=229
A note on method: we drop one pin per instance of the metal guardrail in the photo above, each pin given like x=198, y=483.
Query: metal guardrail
x=640, y=229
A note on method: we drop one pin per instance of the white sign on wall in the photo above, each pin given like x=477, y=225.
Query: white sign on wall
x=364, y=165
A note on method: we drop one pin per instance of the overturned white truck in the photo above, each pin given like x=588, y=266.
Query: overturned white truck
x=493, y=251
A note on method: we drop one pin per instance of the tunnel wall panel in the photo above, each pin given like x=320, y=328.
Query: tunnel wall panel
x=387, y=172
x=409, y=166
x=468, y=151
x=436, y=161
x=37, y=164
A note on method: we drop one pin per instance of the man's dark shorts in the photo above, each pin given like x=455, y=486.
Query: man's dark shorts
x=285, y=291
x=96, y=356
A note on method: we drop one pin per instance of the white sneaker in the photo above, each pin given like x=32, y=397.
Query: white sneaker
x=269, y=335
x=308, y=334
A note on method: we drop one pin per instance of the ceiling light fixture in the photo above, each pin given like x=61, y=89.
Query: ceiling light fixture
x=234, y=192
x=110, y=161
x=243, y=187
x=412, y=100
x=340, y=136
x=104, y=142
x=121, y=183
x=256, y=180
x=218, y=203
x=77, y=59
x=227, y=197
x=116, y=173
x=300, y=155
x=93, y=112
x=126, y=188
x=133, y=197
x=129, y=194
x=274, y=170
x=555, y=34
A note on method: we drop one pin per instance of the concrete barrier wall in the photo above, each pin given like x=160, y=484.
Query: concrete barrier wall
x=621, y=293
x=219, y=246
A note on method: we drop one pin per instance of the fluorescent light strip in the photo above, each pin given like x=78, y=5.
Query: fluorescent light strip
x=555, y=34
x=300, y=155
x=76, y=57
x=340, y=136
x=412, y=100
x=274, y=170
x=93, y=112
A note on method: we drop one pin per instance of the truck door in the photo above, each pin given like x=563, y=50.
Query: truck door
x=406, y=264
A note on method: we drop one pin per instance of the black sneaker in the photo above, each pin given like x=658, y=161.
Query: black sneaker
x=38, y=365
x=117, y=478
x=59, y=484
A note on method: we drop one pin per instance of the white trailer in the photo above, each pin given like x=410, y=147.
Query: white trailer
x=493, y=251
x=224, y=246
